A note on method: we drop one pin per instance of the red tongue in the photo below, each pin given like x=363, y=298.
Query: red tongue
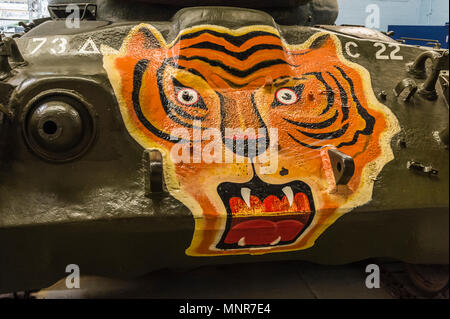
x=264, y=232
x=255, y=232
x=289, y=228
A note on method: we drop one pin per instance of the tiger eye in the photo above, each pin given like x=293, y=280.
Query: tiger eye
x=187, y=96
x=287, y=96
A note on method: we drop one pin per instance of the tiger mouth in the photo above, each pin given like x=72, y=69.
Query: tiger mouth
x=265, y=215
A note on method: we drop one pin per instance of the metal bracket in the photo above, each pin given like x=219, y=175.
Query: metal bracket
x=422, y=168
x=417, y=68
x=12, y=50
x=153, y=173
x=343, y=166
x=382, y=95
x=406, y=84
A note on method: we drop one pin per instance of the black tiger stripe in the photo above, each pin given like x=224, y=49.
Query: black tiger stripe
x=327, y=136
x=344, y=98
x=138, y=73
x=238, y=40
x=232, y=84
x=239, y=86
x=169, y=106
x=233, y=71
x=304, y=144
x=186, y=115
x=283, y=82
x=151, y=41
x=318, y=125
x=238, y=55
x=370, y=120
x=329, y=90
x=170, y=61
x=298, y=53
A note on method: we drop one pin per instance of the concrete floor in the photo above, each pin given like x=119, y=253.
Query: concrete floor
x=287, y=280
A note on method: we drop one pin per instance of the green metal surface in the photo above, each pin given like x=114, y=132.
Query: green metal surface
x=93, y=211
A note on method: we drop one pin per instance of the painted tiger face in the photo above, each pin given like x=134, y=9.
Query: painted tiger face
x=214, y=88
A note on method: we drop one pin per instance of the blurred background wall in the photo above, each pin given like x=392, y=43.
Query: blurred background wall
x=13, y=11
x=404, y=12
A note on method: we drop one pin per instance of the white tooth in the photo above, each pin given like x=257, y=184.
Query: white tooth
x=241, y=242
x=289, y=194
x=245, y=192
x=276, y=241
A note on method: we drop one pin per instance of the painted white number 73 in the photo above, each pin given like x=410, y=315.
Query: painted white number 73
x=61, y=45
x=41, y=41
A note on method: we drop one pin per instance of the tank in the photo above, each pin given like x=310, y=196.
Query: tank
x=160, y=133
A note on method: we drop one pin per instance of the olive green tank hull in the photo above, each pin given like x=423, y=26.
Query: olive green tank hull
x=93, y=206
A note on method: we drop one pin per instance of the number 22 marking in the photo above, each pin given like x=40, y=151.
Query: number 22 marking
x=393, y=55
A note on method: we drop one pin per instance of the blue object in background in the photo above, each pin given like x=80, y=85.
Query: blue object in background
x=426, y=32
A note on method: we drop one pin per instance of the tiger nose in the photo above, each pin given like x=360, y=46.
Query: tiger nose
x=243, y=130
